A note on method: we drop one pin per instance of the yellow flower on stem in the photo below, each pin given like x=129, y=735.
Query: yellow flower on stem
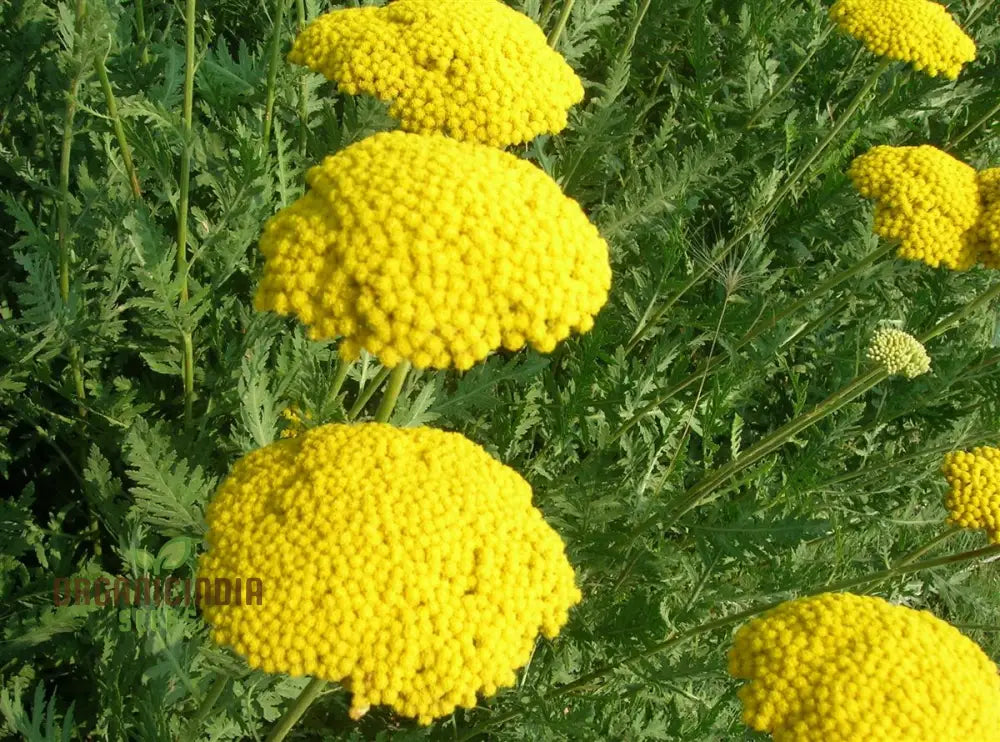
x=407, y=564
x=425, y=249
x=973, y=500
x=920, y=32
x=839, y=667
x=475, y=70
x=899, y=352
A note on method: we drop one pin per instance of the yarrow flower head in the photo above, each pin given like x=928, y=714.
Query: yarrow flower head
x=425, y=249
x=847, y=668
x=475, y=70
x=297, y=420
x=899, y=352
x=926, y=199
x=989, y=221
x=920, y=32
x=407, y=564
x=974, y=498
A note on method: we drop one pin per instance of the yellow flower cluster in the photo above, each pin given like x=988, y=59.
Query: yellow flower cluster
x=899, y=352
x=406, y=563
x=974, y=498
x=297, y=420
x=475, y=70
x=847, y=668
x=422, y=248
x=917, y=31
x=989, y=221
x=926, y=199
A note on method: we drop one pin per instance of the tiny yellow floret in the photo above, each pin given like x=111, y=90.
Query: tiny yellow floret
x=973, y=500
x=839, y=667
x=476, y=70
x=422, y=248
x=920, y=32
x=405, y=563
x=899, y=352
x=926, y=199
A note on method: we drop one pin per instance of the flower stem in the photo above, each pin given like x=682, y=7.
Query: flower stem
x=787, y=82
x=109, y=98
x=194, y=727
x=187, y=344
x=634, y=30
x=801, y=171
x=306, y=697
x=561, y=23
x=343, y=367
x=272, y=69
x=974, y=127
x=923, y=550
x=140, y=27
x=300, y=11
x=755, y=332
x=388, y=404
x=367, y=393
x=63, y=237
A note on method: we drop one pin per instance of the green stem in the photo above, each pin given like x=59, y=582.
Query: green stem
x=787, y=83
x=973, y=128
x=367, y=393
x=343, y=368
x=755, y=332
x=773, y=203
x=735, y=618
x=388, y=404
x=306, y=697
x=272, y=69
x=187, y=344
x=634, y=30
x=300, y=10
x=923, y=550
x=76, y=363
x=109, y=98
x=561, y=23
x=194, y=727
x=140, y=27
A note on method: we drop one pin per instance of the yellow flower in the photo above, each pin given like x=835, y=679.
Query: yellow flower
x=475, y=70
x=926, y=199
x=916, y=31
x=407, y=564
x=899, y=352
x=421, y=248
x=847, y=668
x=989, y=221
x=974, y=498
x=296, y=420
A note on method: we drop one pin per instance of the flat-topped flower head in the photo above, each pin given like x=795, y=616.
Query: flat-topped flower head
x=848, y=668
x=406, y=564
x=422, y=248
x=988, y=227
x=973, y=499
x=920, y=32
x=926, y=199
x=475, y=70
x=899, y=352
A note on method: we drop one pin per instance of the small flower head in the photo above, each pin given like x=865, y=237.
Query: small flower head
x=406, y=564
x=974, y=498
x=297, y=420
x=899, y=352
x=475, y=70
x=920, y=32
x=848, y=668
x=988, y=227
x=926, y=199
x=422, y=248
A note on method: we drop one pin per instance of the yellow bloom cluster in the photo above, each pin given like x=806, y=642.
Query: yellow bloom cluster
x=900, y=352
x=422, y=248
x=475, y=70
x=974, y=497
x=989, y=221
x=406, y=563
x=926, y=199
x=847, y=668
x=917, y=31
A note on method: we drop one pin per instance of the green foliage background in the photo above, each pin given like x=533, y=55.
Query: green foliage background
x=661, y=158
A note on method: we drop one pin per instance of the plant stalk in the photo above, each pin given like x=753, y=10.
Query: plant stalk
x=109, y=98
x=300, y=10
x=561, y=23
x=396, y=379
x=194, y=727
x=343, y=368
x=294, y=713
x=974, y=127
x=272, y=69
x=140, y=27
x=367, y=393
x=187, y=343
